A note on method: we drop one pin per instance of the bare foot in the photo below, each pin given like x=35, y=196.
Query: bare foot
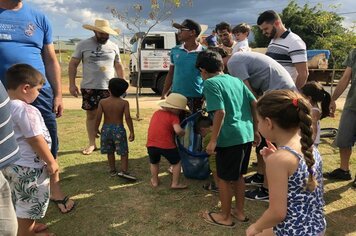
x=39, y=227
x=179, y=186
x=89, y=150
x=238, y=216
x=154, y=183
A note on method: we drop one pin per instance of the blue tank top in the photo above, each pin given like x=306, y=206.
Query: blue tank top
x=305, y=215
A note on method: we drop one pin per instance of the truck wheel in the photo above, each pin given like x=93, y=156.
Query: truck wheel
x=160, y=84
x=156, y=91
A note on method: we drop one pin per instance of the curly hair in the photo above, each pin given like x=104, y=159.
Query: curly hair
x=289, y=109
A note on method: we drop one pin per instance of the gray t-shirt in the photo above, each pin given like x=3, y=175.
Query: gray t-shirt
x=262, y=72
x=98, y=62
x=350, y=61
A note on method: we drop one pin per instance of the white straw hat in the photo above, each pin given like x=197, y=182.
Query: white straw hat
x=102, y=26
x=176, y=101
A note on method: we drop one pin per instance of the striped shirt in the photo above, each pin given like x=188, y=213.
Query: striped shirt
x=288, y=49
x=9, y=150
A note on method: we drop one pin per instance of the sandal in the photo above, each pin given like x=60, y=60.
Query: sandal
x=63, y=202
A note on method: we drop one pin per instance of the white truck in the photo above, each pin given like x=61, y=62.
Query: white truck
x=154, y=61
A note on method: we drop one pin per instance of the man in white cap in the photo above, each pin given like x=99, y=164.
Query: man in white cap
x=101, y=60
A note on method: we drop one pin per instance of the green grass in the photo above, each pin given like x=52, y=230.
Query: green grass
x=111, y=206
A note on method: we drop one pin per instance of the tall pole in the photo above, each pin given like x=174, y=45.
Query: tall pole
x=59, y=50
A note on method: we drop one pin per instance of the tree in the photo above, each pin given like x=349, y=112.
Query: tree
x=318, y=28
x=136, y=19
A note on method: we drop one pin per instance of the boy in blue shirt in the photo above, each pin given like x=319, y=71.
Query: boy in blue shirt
x=234, y=129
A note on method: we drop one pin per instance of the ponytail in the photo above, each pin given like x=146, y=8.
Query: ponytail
x=325, y=103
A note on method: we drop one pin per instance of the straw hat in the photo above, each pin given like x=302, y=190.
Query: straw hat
x=176, y=101
x=102, y=26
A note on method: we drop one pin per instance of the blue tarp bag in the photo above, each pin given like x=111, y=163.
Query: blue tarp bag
x=194, y=161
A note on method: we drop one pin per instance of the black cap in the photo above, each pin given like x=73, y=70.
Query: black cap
x=188, y=24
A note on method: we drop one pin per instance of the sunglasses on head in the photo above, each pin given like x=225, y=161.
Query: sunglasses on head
x=183, y=29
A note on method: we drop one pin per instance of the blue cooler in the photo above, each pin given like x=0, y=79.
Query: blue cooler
x=314, y=52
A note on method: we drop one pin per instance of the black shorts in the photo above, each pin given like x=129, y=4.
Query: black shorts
x=155, y=153
x=92, y=97
x=232, y=162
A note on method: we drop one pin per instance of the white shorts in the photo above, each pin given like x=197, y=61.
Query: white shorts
x=29, y=190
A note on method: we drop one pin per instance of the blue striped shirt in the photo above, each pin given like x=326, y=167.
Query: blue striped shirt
x=9, y=150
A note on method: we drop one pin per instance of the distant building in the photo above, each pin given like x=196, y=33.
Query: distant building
x=64, y=46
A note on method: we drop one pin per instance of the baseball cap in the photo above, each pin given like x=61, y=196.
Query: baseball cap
x=188, y=24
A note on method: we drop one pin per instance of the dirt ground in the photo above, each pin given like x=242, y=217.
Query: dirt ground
x=148, y=99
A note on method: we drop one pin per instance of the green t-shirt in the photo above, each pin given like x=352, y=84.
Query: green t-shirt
x=224, y=92
x=350, y=61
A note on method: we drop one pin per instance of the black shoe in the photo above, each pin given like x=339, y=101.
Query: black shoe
x=259, y=194
x=338, y=174
x=254, y=180
x=211, y=187
x=354, y=183
x=126, y=175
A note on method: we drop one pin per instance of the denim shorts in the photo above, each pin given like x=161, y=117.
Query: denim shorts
x=44, y=103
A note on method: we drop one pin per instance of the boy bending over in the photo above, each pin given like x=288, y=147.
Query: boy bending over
x=163, y=126
x=234, y=130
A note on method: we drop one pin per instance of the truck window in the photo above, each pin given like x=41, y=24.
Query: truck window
x=134, y=47
x=153, y=42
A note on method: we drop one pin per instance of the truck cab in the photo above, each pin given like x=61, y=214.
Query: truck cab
x=154, y=61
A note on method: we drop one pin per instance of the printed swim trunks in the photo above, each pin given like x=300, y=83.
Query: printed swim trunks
x=113, y=138
x=29, y=190
x=92, y=97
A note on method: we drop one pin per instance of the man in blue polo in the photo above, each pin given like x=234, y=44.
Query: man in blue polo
x=182, y=76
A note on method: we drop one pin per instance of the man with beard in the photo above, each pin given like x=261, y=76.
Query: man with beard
x=224, y=32
x=26, y=37
x=285, y=47
x=183, y=76
x=101, y=59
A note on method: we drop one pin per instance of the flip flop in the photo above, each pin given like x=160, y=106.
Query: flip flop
x=63, y=202
x=212, y=221
x=89, y=150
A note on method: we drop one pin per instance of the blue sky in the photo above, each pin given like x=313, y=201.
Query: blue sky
x=68, y=16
